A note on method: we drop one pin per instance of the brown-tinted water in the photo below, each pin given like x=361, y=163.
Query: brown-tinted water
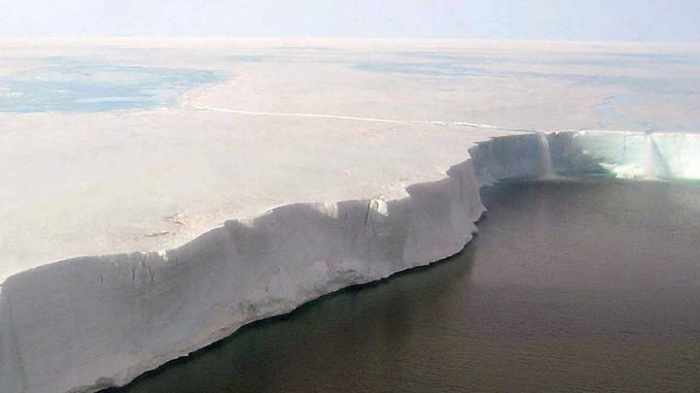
x=570, y=286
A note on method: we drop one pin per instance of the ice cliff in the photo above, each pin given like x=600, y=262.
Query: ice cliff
x=88, y=323
x=664, y=156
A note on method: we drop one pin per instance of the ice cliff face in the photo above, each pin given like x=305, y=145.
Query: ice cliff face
x=88, y=323
x=638, y=155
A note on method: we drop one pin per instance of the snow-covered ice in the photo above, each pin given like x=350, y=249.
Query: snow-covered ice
x=131, y=237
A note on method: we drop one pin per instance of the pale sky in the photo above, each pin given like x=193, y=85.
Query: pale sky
x=621, y=20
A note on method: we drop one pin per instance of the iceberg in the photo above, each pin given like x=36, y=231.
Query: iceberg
x=133, y=237
x=88, y=323
x=193, y=258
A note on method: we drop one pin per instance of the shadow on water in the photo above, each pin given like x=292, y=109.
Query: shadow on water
x=571, y=286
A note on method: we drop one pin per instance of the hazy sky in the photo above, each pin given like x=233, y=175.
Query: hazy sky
x=647, y=20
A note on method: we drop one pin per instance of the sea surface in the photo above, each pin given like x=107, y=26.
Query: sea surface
x=571, y=286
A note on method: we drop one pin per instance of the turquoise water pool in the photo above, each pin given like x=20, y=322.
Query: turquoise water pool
x=68, y=85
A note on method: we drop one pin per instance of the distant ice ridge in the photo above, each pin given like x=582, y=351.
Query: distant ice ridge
x=88, y=323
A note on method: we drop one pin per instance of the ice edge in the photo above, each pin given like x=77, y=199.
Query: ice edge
x=85, y=324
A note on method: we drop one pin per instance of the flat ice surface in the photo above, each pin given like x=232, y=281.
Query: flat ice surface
x=104, y=183
x=101, y=160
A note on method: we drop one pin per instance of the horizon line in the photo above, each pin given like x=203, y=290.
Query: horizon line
x=339, y=38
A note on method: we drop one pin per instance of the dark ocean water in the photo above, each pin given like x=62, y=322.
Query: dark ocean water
x=570, y=287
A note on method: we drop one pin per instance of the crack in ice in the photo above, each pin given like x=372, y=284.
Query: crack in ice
x=363, y=119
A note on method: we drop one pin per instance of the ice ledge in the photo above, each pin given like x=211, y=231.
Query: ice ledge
x=88, y=323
